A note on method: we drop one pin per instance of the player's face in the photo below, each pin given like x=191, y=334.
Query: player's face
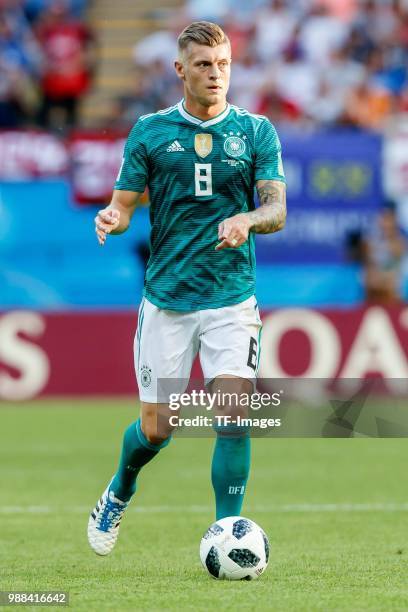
x=206, y=73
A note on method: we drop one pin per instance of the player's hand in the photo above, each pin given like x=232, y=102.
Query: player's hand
x=106, y=221
x=233, y=232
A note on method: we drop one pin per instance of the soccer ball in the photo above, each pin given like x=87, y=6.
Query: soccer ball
x=234, y=548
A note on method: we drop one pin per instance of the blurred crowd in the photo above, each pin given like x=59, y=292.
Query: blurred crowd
x=47, y=58
x=296, y=61
x=305, y=62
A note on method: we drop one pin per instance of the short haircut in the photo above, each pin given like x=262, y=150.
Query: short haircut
x=202, y=33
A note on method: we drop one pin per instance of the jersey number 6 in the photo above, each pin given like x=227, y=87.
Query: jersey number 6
x=203, y=179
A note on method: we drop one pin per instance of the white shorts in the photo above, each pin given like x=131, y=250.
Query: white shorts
x=166, y=343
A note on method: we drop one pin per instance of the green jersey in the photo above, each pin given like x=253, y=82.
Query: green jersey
x=198, y=173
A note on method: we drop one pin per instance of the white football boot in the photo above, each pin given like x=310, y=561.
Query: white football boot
x=104, y=522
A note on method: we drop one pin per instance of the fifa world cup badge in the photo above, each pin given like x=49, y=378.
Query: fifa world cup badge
x=203, y=144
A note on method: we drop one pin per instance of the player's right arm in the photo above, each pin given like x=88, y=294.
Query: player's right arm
x=115, y=218
x=130, y=184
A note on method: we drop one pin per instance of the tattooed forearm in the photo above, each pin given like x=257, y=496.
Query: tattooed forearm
x=271, y=215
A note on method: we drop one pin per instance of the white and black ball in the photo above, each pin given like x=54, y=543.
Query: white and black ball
x=235, y=548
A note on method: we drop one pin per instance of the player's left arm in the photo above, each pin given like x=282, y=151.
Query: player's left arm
x=268, y=218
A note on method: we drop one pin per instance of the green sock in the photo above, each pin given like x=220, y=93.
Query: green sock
x=136, y=452
x=229, y=473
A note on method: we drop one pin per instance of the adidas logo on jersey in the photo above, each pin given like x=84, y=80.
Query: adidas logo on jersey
x=175, y=146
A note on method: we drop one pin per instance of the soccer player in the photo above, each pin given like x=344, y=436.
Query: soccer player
x=201, y=160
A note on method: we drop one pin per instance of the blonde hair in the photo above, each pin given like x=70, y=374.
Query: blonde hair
x=201, y=33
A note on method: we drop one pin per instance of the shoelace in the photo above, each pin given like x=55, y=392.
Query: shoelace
x=112, y=513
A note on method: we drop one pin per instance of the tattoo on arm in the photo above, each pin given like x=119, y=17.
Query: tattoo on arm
x=270, y=216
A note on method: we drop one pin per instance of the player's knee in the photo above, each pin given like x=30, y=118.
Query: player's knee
x=155, y=439
x=156, y=423
x=154, y=434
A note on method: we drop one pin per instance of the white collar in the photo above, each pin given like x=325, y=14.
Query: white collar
x=198, y=121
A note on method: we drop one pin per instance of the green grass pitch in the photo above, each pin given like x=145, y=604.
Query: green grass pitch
x=335, y=511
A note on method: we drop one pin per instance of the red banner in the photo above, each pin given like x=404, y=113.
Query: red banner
x=32, y=154
x=95, y=162
x=92, y=353
x=91, y=159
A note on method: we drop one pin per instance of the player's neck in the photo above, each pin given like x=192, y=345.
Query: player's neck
x=203, y=112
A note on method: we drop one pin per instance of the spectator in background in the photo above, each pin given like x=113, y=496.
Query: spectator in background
x=321, y=34
x=69, y=49
x=224, y=11
x=328, y=107
x=242, y=38
x=11, y=111
x=34, y=8
x=162, y=85
x=243, y=11
x=359, y=45
x=378, y=19
x=278, y=108
x=402, y=26
x=160, y=45
x=297, y=79
x=344, y=73
x=342, y=9
x=367, y=106
x=384, y=75
x=216, y=10
x=153, y=57
x=275, y=25
x=138, y=101
x=383, y=254
x=20, y=65
x=247, y=70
